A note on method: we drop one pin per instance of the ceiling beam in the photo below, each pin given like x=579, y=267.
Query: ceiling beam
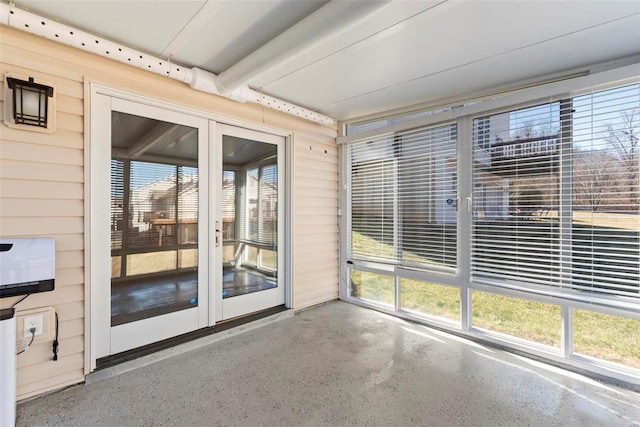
x=158, y=133
x=324, y=24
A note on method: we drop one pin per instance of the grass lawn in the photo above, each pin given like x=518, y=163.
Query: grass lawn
x=611, y=338
x=607, y=337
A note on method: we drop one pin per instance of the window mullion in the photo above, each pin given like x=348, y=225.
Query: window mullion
x=344, y=217
x=398, y=216
x=567, y=331
x=260, y=219
x=179, y=172
x=464, y=234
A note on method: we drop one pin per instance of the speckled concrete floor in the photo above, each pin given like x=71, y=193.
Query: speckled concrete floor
x=339, y=364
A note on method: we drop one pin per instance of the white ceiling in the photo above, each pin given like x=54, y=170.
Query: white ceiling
x=405, y=53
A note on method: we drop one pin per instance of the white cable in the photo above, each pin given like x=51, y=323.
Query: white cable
x=33, y=336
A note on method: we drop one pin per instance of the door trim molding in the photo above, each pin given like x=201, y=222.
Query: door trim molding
x=102, y=89
x=93, y=90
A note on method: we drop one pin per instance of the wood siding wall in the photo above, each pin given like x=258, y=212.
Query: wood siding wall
x=42, y=190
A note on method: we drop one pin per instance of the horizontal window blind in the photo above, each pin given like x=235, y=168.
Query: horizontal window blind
x=267, y=233
x=261, y=211
x=516, y=158
x=117, y=203
x=153, y=205
x=228, y=206
x=555, y=195
x=187, y=222
x=605, y=240
x=249, y=225
x=373, y=194
x=403, y=197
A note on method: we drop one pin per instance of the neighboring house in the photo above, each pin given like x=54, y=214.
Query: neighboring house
x=153, y=208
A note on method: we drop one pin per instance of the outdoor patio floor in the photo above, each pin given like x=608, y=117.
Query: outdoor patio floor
x=336, y=364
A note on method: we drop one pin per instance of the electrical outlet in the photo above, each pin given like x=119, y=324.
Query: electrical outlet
x=33, y=322
x=47, y=320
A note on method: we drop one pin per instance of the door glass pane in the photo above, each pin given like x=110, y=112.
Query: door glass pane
x=249, y=216
x=154, y=218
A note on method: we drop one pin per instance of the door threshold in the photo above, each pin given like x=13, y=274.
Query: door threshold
x=153, y=349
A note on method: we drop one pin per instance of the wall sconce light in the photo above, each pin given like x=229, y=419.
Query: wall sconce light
x=30, y=102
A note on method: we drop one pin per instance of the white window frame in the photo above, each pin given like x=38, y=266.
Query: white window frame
x=564, y=356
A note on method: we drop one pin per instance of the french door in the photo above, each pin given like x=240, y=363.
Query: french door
x=150, y=228
x=186, y=222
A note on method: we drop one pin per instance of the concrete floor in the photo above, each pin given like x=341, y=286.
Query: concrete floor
x=337, y=364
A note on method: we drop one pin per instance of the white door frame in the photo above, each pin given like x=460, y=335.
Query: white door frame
x=95, y=201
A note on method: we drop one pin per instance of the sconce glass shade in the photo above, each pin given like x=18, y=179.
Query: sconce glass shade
x=30, y=103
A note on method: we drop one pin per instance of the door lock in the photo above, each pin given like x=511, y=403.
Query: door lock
x=217, y=234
